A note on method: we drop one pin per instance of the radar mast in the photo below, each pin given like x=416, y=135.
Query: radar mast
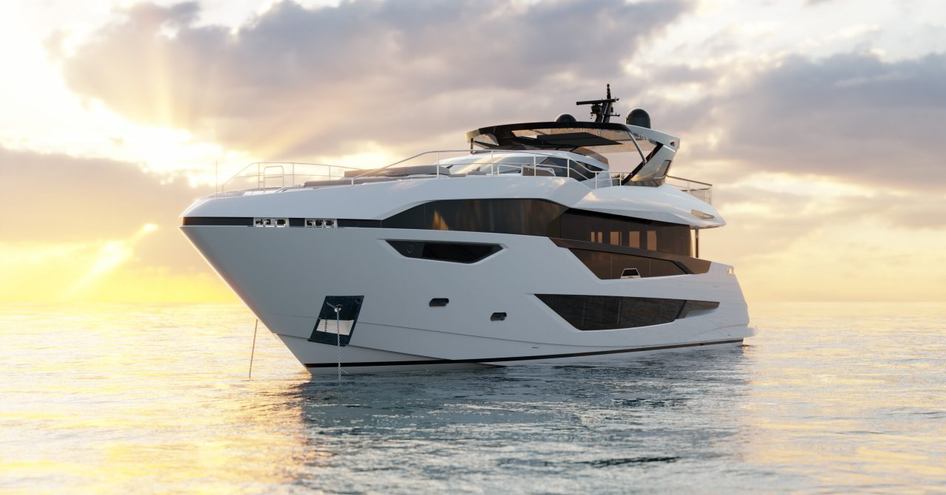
x=601, y=109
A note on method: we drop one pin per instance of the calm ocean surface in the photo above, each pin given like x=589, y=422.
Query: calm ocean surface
x=826, y=398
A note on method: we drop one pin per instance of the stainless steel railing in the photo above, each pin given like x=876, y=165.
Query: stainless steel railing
x=267, y=176
x=701, y=190
x=279, y=175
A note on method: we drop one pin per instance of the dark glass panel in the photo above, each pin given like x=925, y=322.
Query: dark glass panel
x=697, y=306
x=342, y=222
x=596, y=261
x=508, y=216
x=663, y=268
x=456, y=252
x=612, y=312
x=607, y=265
x=642, y=311
x=229, y=221
x=579, y=225
x=412, y=218
x=673, y=239
x=678, y=264
x=597, y=313
x=543, y=218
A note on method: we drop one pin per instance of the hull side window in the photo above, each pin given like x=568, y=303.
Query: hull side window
x=615, y=312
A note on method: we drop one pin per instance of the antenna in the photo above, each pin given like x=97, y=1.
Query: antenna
x=601, y=109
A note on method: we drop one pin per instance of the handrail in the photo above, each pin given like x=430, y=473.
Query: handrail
x=299, y=173
x=690, y=180
x=703, y=190
x=256, y=172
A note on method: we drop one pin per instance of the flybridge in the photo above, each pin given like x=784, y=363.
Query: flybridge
x=643, y=154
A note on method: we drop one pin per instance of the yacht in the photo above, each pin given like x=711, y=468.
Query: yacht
x=560, y=241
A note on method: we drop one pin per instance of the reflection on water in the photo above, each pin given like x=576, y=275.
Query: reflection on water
x=544, y=428
x=118, y=399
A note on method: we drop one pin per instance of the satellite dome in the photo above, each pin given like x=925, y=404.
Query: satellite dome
x=639, y=118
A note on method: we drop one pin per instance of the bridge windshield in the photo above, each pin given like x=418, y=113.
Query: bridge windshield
x=521, y=164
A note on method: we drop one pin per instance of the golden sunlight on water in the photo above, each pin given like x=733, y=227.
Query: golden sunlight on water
x=118, y=399
x=114, y=399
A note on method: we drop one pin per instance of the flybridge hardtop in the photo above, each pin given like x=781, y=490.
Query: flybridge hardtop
x=541, y=242
x=597, y=139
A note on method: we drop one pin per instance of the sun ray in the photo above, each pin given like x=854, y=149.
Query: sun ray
x=111, y=255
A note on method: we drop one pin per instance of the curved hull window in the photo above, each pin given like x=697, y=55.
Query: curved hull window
x=455, y=252
x=614, y=312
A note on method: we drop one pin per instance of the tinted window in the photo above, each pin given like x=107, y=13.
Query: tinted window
x=507, y=216
x=457, y=252
x=611, y=265
x=623, y=231
x=543, y=218
x=612, y=312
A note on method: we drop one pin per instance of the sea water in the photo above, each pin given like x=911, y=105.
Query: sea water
x=155, y=399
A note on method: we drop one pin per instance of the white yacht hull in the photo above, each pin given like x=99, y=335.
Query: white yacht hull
x=285, y=274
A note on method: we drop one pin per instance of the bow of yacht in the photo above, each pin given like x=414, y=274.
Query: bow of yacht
x=542, y=242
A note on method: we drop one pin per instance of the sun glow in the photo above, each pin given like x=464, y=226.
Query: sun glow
x=110, y=256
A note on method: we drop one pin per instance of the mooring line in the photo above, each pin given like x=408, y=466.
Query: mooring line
x=253, y=350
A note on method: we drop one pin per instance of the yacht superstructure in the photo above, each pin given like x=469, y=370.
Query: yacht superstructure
x=542, y=242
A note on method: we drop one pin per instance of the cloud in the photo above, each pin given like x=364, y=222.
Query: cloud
x=54, y=198
x=301, y=83
x=851, y=116
x=297, y=81
x=94, y=229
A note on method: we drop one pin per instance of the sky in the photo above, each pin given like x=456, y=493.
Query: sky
x=821, y=123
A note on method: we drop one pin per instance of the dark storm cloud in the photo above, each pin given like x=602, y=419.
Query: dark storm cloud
x=301, y=80
x=60, y=198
